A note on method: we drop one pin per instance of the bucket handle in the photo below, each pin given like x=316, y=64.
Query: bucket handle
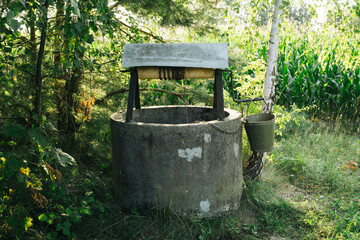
x=242, y=100
x=254, y=99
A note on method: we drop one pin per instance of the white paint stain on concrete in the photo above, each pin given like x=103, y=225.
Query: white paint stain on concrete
x=205, y=205
x=236, y=149
x=207, y=137
x=189, y=154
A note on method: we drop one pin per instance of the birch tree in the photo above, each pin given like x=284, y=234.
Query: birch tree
x=257, y=160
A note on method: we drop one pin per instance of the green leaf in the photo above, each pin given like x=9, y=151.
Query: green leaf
x=68, y=211
x=14, y=24
x=17, y=7
x=77, y=219
x=14, y=131
x=63, y=158
x=285, y=3
x=58, y=227
x=39, y=137
x=51, y=218
x=23, y=3
x=66, y=229
x=77, y=63
x=90, y=39
x=28, y=223
x=87, y=211
x=68, y=65
x=42, y=218
x=78, y=26
x=10, y=16
x=5, y=143
x=76, y=8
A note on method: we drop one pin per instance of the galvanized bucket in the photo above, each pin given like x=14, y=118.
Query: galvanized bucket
x=260, y=129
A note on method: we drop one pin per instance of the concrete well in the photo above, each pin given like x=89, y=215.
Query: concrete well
x=178, y=157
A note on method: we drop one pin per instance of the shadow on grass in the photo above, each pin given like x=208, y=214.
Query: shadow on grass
x=261, y=216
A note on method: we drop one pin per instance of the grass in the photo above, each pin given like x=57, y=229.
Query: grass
x=309, y=190
x=321, y=162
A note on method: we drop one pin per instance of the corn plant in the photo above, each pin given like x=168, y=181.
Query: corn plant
x=310, y=74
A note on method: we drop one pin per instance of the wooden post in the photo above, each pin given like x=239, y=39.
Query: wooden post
x=219, y=94
x=132, y=93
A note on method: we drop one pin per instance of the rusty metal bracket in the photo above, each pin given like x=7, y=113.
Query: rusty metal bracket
x=233, y=95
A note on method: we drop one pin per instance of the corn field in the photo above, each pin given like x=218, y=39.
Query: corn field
x=322, y=71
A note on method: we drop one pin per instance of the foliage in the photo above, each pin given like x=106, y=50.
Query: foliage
x=42, y=196
x=181, y=14
x=27, y=171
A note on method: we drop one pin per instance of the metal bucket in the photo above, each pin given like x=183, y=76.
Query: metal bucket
x=260, y=129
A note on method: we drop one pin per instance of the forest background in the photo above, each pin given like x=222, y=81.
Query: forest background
x=61, y=78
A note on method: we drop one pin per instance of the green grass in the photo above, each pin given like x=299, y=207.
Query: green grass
x=321, y=162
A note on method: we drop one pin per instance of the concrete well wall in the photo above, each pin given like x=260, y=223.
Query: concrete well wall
x=178, y=157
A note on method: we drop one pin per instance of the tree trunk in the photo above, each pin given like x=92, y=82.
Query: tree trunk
x=38, y=77
x=71, y=88
x=33, y=57
x=257, y=160
x=66, y=103
x=59, y=76
x=60, y=13
x=32, y=37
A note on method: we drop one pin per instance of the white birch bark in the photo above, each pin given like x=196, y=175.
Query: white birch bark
x=271, y=64
x=257, y=160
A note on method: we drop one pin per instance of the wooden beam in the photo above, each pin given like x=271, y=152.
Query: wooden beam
x=176, y=73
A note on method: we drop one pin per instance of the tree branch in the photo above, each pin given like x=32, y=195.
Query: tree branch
x=142, y=31
x=115, y=5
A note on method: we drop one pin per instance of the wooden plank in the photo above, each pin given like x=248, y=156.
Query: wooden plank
x=176, y=73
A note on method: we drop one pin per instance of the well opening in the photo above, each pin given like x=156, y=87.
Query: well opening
x=174, y=115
